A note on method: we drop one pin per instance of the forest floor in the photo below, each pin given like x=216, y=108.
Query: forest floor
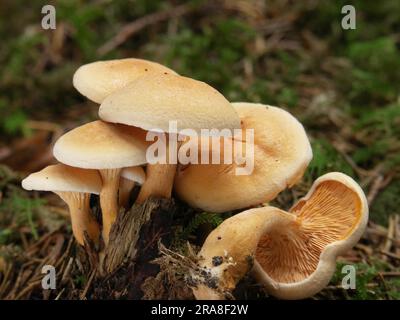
x=343, y=85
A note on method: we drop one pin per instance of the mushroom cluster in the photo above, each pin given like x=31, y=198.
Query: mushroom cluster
x=107, y=156
x=291, y=253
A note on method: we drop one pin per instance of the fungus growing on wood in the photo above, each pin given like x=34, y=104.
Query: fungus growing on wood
x=108, y=148
x=152, y=101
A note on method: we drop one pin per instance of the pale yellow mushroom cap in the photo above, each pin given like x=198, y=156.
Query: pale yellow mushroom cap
x=99, y=79
x=295, y=252
x=331, y=219
x=62, y=178
x=135, y=174
x=282, y=152
x=153, y=100
x=101, y=145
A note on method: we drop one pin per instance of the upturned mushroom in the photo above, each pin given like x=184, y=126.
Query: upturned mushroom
x=99, y=79
x=129, y=178
x=295, y=252
x=152, y=101
x=108, y=148
x=282, y=152
x=74, y=186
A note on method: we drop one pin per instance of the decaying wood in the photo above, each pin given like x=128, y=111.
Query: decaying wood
x=126, y=262
x=174, y=281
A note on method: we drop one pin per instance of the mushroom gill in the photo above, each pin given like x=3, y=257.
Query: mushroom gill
x=329, y=215
x=295, y=252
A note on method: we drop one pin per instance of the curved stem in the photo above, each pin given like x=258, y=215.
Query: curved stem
x=160, y=177
x=233, y=244
x=109, y=199
x=159, y=181
x=81, y=218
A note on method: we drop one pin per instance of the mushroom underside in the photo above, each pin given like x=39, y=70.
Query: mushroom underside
x=329, y=215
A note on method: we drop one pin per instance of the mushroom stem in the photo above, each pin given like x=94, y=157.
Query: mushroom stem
x=125, y=189
x=159, y=181
x=234, y=244
x=81, y=218
x=109, y=199
x=160, y=176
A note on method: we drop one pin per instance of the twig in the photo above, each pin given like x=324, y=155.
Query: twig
x=134, y=27
x=37, y=244
x=83, y=294
x=375, y=187
x=390, y=274
x=390, y=235
x=45, y=126
x=66, y=270
x=378, y=184
x=397, y=233
x=159, y=234
x=66, y=252
x=368, y=250
x=389, y=254
x=360, y=171
x=187, y=262
x=27, y=289
x=12, y=293
x=340, y=287
x=383, y=281
x=59, y=295
x=4, y=284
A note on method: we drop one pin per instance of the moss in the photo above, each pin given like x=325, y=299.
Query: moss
x=369, y=284
x=326, y=159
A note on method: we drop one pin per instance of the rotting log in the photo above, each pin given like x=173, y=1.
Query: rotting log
x=126, y=262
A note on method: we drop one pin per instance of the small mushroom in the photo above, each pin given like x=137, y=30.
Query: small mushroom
x=99, y=79
x=108, y=148
x=154, y=100
x=295, y=252
x=129, y=177
x=282, y=152
x=74, y=186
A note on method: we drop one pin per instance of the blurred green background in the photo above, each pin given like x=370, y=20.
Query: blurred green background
x=343, y=85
